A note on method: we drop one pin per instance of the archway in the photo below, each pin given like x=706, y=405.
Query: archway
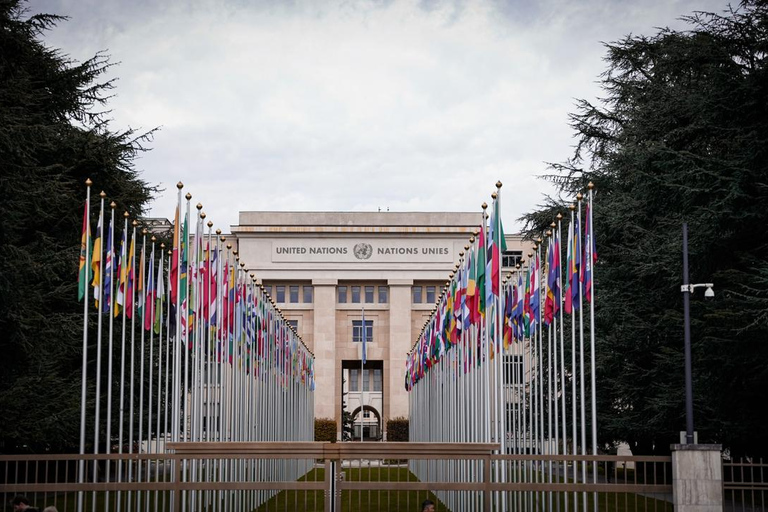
x=371, y=424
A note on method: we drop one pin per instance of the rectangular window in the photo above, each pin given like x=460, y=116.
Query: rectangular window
x=377, y=379
x=369, y=294
x=417, y=295
x=354, y=380
x=294, y=324
x=307, y=294
x=357, y=331
x=356, y=294
x=430, y=295
x=366, y=380
x=383, y=294
x=294, y=293
x=280, y=293
x=511, y=258
x=342, y=294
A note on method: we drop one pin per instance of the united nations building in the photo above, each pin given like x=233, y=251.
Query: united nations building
x=340, y=277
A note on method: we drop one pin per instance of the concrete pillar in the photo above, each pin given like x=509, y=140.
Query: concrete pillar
x=400, y=342
x=697, y=478
x=324, y=334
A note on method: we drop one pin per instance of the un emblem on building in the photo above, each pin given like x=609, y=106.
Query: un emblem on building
x=363, y=251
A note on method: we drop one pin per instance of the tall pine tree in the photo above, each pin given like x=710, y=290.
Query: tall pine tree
x=681, y=136
x=53, y=136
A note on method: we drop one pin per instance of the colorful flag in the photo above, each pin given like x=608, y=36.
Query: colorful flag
x=84, y=273
x=159, y=296
x=149, y=310
x=120, y=295
x=535, y=298
x=568, y=292
x=130, y=278
x=184, y=278
x=141, y=283
x=480, y=275
x=96, y=260
x=174, y=274
x=552, y=299
x=498, y=245
x=108, y=262
x=590, y=254
x=576, y=266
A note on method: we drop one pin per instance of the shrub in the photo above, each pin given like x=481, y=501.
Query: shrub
x=325, y=430
x=397, y=429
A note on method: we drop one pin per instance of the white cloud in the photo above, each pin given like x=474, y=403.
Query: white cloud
x=352, y=105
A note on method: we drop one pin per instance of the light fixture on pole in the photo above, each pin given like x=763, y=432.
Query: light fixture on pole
x=687, y=289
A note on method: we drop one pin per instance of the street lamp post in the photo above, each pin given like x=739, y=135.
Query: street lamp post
x=687, y=289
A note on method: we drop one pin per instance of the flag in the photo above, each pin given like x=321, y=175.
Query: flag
x=575, y=266
x=131, y=278
x=535, y=294
x=568, y=295
x=141, y=283
x=84, y=273
x=183, y=279
x=108, y=262
x=471, y=287
x=96, y=260
x=498, y=245
x=552, y=298
x=159, y=296
x=480, y=275
x=149, y=310
x=174, y=257
x=120, y=295
x=508, y=316
x=590, y=254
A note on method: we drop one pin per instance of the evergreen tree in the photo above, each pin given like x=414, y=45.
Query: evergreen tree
x=681, y=136
x=54, y=134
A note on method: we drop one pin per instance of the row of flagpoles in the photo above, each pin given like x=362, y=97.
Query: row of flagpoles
x=492, y=363
x=204, y=355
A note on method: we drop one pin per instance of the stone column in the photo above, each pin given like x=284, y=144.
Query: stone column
x=697, y=477
x=324, y=334
x=400, y=341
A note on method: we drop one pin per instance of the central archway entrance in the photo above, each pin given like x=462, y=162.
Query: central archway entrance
x=371, y=424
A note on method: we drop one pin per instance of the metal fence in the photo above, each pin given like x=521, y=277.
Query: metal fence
x=745, y=485
x=309, y=476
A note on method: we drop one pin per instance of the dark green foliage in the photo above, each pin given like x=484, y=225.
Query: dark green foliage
x=681, y=136
x=325, y=430
x=53, y=136
x=397, y=429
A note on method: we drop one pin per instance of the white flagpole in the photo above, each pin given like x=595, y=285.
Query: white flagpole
x=559, y=300
x=593, y=366
x=121, y=414
x=109, y=306
x=149, y=310
x=574, y=368
x=98, y=296
x=581, y=354
x=84, y=383
x=142, y=320
x=132, y=371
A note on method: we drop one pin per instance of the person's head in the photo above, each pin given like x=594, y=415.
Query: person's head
x=428, y=506
x=50, y=509
x=20, y=502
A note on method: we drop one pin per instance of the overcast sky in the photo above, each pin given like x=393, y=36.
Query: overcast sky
x=352, y=105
